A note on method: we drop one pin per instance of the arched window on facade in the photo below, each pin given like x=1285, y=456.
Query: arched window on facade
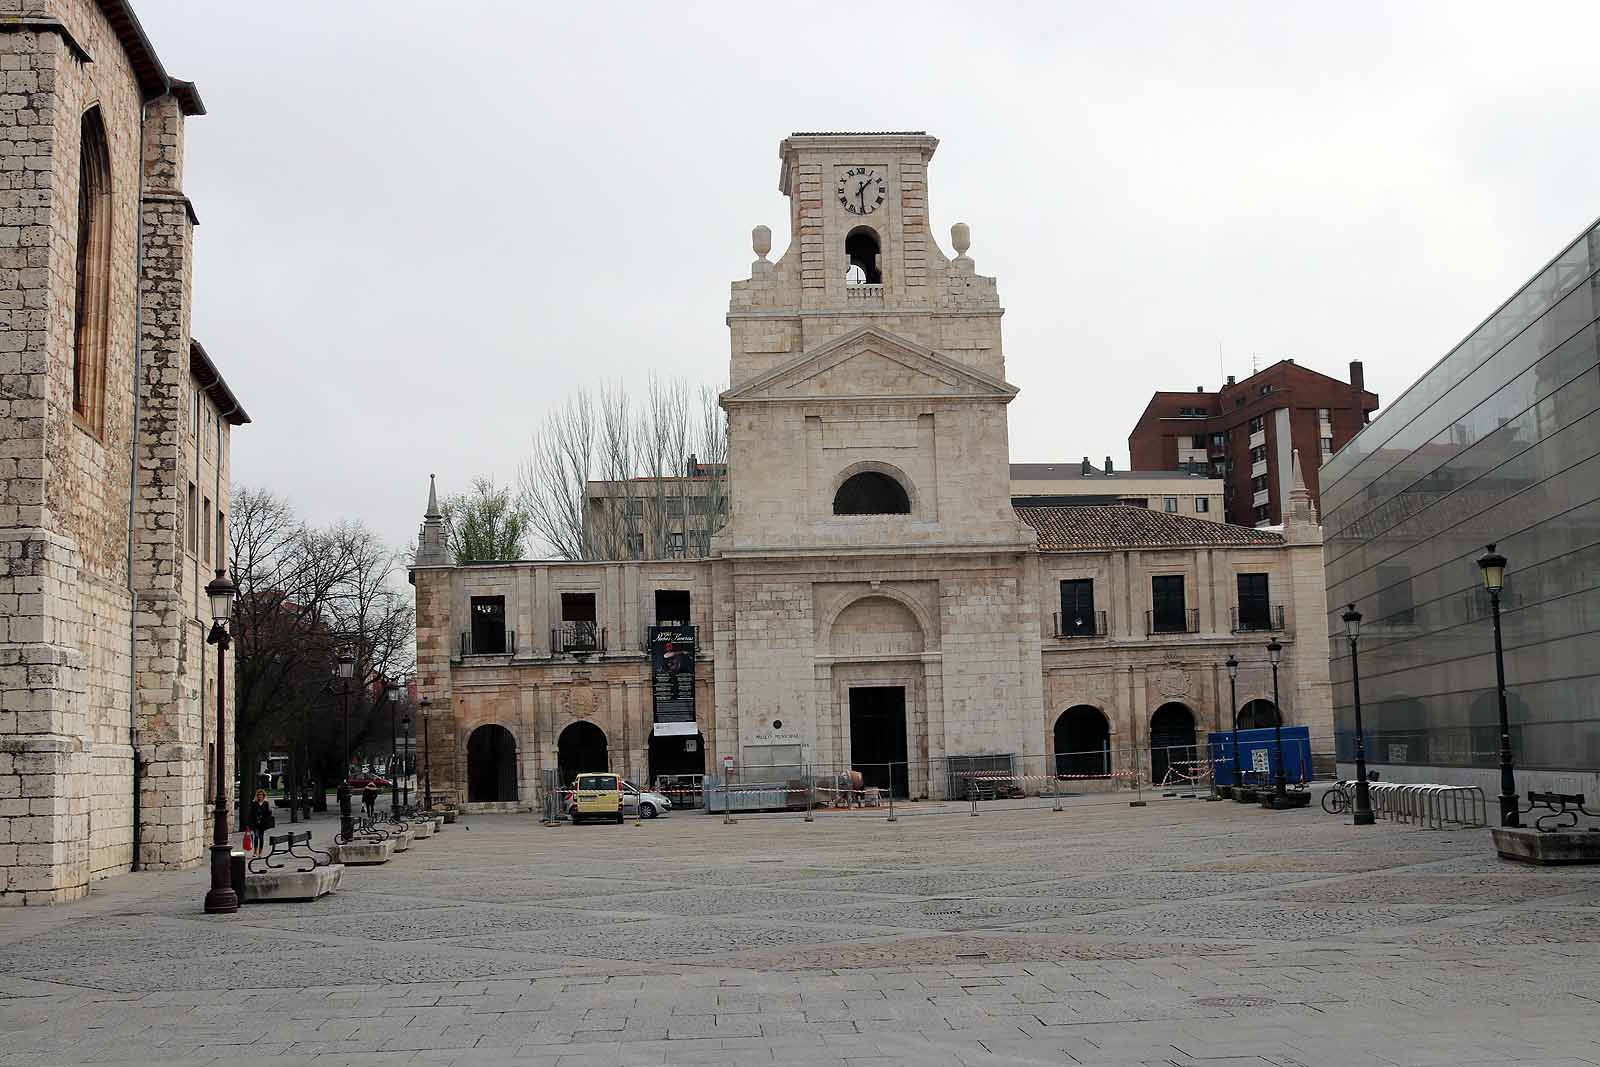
x=871, y=493
x=862, y=249
x=93, y=281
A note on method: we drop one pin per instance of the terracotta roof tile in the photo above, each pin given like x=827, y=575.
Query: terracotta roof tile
x=1063, y=529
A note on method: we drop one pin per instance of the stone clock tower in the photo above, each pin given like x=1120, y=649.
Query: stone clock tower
x=872, y=546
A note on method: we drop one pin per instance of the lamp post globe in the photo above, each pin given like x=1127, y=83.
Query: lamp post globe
x=1492, y=565
x=1352, y=632
x=1280, y=788
x=1233, y=702
x=221, y=898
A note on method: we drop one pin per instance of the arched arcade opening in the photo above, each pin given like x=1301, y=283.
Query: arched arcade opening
x=1172, y=741
x=581, y=749
x=491, y=765
x=1082, y=741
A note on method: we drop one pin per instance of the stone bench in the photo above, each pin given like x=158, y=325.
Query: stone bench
x=1555, y=838
x=363, y=852
x=314, y=873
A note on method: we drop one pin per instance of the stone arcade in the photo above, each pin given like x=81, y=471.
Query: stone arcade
x=874, y=596
x=114, y=427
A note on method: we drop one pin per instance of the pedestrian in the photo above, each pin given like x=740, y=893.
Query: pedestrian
x=261, y=820
x=369, y=800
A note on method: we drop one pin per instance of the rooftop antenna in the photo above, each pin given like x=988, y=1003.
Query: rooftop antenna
x=1221, y=369
x=1255, y=364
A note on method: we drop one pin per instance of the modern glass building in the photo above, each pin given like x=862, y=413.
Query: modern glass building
x=1498, y=442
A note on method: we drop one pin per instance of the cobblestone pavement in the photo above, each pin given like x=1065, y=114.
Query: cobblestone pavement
x=1185, y=933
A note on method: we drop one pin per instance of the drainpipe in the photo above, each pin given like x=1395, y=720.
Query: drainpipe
x=133, y=497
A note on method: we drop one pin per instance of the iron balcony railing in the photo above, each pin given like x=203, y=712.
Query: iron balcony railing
x=1172, y=622
x=497, y=643
x=578, y=637
x=1081, y=624
x=1259, y=617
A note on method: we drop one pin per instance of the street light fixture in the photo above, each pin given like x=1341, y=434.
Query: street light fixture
x=1352, y=631
x=1493, y=566
x=221, y=899
x=1280, y=788
x=346, y=670
x=1233, y=699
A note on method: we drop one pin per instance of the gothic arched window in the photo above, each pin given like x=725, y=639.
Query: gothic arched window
x=93, y=281
x=871, y=493
x=861, y=248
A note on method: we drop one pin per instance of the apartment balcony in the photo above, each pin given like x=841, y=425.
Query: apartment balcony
x=1172, y=622
x=1261, y=497
x=1258, y=438
x=1258, y=468
x=488, y=643
x=1084, y=624
x=1259, y=618
x=578, y=638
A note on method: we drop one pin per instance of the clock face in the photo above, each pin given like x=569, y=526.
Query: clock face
x=860, y=190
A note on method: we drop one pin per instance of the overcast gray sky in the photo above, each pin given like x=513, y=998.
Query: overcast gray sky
x=424, y=224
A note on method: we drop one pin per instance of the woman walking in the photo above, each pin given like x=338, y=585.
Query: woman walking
x=261, y=820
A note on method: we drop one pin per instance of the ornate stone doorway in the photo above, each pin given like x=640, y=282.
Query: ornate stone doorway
x=491, y=765
x=878, y=737
x=1171, y=740
x=580, y=749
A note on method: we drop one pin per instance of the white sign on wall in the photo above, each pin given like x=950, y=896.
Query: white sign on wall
x=1259, y=761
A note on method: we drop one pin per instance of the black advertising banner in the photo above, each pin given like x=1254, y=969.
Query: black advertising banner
x=672, y=672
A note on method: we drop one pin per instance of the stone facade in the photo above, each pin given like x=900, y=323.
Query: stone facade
x=873, y=567
x=98, y=670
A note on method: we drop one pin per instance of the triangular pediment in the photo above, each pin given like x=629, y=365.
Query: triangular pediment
x=871, y=362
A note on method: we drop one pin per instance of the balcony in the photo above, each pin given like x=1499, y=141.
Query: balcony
x=1260, y=498
x=1172, y=622
x=1258, y=468
x=578, y=638
x=1084, y=624
x=1258, y=438
x=1258, y=618
x=865, y=295
x=489, y=643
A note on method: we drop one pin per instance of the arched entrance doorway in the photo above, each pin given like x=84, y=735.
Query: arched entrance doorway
x=1171, y=740
x=1259, y=714
x=581, y=749
x=1083, y=741
x=491, y=765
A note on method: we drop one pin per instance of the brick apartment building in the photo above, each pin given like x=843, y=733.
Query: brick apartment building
x=1246, y=433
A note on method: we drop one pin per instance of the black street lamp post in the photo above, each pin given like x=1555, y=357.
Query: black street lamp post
x=220, y=898
x=427, y=766
x=1493, y=566
x=392, y=692
x=347, y=822
x=405, y=760
x=1233, y=699
x=1352, y=630
x=1280, y=788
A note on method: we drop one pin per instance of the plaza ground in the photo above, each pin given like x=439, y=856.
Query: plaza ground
x=1184, y=933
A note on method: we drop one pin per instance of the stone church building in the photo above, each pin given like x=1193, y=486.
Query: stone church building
x=874, y=596
x=114, y=427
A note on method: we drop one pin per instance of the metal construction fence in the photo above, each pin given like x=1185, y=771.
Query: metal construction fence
x=805, y=787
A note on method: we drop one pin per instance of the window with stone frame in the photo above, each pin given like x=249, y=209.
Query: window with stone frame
x=1202, y=504
x=92, y=284
x=871, y=493
x=192, y=532
x=206, y=515
x=222, y=532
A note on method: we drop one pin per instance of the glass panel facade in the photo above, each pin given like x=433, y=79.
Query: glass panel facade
x=1498, y=442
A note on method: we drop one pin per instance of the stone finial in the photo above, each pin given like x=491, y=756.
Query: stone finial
x=761, y=241
x=1301, y=513
x=961, y=238
x=433, y=499
x=431, y=547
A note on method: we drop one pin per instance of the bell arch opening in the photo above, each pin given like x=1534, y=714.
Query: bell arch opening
x=864, y=252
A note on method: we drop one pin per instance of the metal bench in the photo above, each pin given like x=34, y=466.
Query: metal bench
x=286, y=845
x=1561, y=811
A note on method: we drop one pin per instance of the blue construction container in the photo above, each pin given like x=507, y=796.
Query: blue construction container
x=1258, y=755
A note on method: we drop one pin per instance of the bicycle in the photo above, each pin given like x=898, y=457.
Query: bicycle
x=1341, y=795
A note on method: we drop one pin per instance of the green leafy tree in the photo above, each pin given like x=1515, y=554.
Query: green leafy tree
x=485, y=523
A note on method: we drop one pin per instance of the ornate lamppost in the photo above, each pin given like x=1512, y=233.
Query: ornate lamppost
x=1352, y=631
x=405, y=759
x=1280, y=788
x=427, y=764
x=1493, y=566
x=1233, y=698
x=392, y=693
x=220, y=898
x=347, y=822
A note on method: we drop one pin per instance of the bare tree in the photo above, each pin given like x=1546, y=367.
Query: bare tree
x=609, y=479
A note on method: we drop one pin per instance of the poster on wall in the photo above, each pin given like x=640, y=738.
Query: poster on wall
x=672, y=655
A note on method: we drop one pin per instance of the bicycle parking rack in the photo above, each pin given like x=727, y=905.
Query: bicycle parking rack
x=1431, y=805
